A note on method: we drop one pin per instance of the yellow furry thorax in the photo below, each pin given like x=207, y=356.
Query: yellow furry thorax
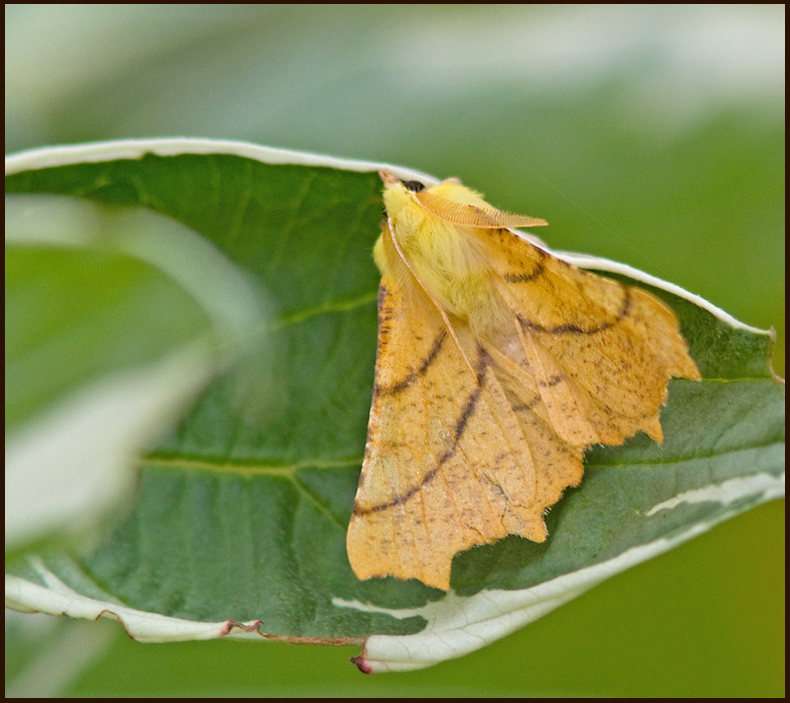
x=448, y=260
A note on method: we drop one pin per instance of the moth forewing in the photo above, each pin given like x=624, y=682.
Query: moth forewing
x=497, y=366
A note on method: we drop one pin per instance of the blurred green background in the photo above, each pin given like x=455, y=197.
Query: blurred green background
x=649, y=134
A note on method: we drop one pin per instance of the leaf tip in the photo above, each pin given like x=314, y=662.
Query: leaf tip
x=361, y=663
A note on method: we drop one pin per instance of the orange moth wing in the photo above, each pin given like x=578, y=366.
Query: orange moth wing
x=497, y=366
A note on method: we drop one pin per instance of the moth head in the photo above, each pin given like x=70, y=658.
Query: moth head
x=398, y=194
x=403, y=197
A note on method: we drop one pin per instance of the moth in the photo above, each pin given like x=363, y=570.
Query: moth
x=498, y=365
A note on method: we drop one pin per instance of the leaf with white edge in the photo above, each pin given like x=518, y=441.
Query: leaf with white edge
x=55, y=597
x=240, y=513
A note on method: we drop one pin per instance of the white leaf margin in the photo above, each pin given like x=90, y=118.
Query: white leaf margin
x=56, y=598
x=97, y=152
x=455, y=625
x=459, y=625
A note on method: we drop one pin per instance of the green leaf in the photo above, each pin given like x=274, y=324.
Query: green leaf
x=239, y=516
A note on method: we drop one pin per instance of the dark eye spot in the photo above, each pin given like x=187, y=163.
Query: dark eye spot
x=414, y=186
